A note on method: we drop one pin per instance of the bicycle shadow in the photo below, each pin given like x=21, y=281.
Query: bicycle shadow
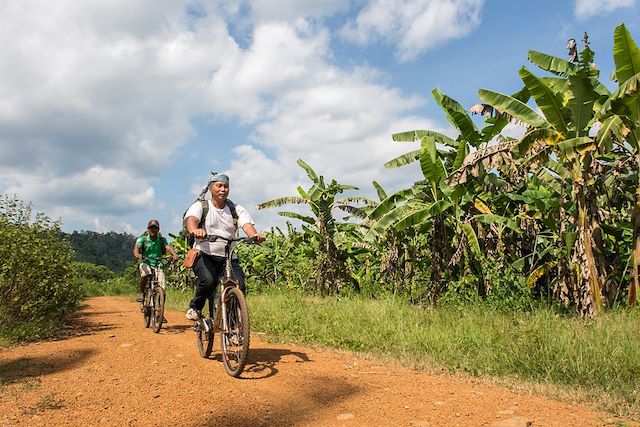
x=176, y=329
x=263, y=362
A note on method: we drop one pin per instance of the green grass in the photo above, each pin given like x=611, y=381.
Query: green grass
x=599, y=358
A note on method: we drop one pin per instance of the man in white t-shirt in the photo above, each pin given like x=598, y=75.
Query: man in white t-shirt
x=220, y=221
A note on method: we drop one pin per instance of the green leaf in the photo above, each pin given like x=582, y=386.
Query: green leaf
x=552, y=64
x=295, y=215
x=429, y=162
x=458, y=117
x=581, y=103
x=573, y=146
x=513, y=107
x=381, y=193
x=549, y=102
x=472, y=239
x=626, y=54
x=611, y=128
x=460, y=156
x=308, y=169
x=417, y=135
x=281, y=201
x=402, y=160
x=439, y=206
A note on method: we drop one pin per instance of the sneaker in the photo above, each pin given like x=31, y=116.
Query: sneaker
x=192, y=314
x=140, y=298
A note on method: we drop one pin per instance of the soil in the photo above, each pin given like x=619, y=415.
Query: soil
x=110, y=370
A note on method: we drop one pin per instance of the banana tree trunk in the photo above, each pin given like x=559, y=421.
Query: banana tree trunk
x=634, y=287
x=588, y=285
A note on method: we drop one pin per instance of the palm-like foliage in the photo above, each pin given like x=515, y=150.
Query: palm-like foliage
x=570, y=107
x=321, y=199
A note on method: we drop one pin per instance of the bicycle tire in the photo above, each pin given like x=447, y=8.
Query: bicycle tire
x=158, y=309
x=204, y=339
x=146, y=309
x=234, y=337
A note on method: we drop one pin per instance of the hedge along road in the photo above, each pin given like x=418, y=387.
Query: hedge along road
x=109, y=370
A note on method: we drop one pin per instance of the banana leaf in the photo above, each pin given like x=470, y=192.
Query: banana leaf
x=513, y=107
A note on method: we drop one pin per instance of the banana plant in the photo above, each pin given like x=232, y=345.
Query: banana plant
x=622, y=127
x=570, y=105
x=322, y=200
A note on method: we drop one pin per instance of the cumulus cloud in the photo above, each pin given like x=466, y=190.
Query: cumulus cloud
x=96, y=98
x=99, y=88
x=588, y=8
x=414, y=26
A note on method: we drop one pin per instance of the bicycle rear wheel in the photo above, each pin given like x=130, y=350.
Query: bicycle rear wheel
x=146, y=308
x=158, y=309
x=234, y=336
x=204, y=338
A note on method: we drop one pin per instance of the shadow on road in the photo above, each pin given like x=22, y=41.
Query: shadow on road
x=313, y=395
x=263, y=362
x=176, y=329
x=22, y=368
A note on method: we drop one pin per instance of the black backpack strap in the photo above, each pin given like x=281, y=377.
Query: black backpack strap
x=234, y=213
x=205, y=211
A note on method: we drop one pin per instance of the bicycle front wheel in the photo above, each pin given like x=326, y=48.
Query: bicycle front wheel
x=146, y=309
x=234, y=336
x=158, y=309
x=204, y=338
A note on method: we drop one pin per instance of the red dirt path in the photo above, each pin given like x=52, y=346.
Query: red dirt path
x=112, y=371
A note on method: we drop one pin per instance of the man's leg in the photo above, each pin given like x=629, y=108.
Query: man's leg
x=144, y=273
x=206, y=271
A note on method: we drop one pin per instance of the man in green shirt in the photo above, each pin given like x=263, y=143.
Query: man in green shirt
x=149, y=248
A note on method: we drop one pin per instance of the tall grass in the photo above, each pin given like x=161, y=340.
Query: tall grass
x=600, y=356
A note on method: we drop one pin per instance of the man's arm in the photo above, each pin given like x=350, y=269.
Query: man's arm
x=251, y=231
x=172, y=252
x=136, y=251
x=192, y=227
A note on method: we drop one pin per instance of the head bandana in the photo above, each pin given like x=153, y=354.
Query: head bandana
x=213, y=177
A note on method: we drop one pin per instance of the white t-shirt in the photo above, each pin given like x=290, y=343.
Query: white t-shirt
x=218, y=222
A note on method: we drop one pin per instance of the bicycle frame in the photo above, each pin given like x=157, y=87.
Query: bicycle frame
x=226, y=280
x=153, y=315
x=234, y=333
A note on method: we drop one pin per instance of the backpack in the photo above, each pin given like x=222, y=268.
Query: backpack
x=205, y=210
x=145, y=234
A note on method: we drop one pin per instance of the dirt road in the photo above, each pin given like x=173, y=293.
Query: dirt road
x=112, y=371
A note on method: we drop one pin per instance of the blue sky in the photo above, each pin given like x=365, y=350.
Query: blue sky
x=112, y=113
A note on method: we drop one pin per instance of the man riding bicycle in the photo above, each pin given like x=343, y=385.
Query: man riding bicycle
x=149, y=248
x=218, y=216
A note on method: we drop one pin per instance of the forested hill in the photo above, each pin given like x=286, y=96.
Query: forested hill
x=113, y=250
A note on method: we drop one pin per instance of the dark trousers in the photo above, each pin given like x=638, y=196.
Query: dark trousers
x=208, y=269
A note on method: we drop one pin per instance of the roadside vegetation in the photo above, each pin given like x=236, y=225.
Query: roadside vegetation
x=512, y=258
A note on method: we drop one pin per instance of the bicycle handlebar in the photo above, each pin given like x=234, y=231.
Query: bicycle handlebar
x=167, y=259
x=214, y=237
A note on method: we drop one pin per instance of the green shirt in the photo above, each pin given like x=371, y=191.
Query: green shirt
x=152, y=249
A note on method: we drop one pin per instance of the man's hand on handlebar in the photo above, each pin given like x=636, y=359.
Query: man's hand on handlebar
x=199, y=233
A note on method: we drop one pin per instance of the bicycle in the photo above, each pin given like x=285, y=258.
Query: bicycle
x=231, y=316
x=152, y=306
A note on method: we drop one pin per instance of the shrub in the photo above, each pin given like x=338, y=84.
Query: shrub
x=37, y=292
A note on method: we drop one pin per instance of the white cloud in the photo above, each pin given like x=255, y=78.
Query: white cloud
x=99, y=86
x=96, y=97
x=414, y=26
x=588, y=8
